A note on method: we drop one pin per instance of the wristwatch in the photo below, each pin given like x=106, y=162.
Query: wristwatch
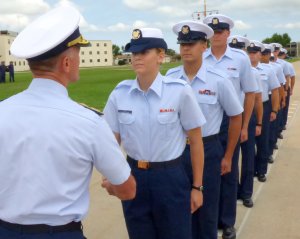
x=200, y=188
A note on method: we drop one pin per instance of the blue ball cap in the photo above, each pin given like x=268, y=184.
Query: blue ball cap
x=192, y=31
x=49, y=35
x=219, y=22
x=146, y=38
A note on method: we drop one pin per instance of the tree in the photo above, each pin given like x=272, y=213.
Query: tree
x=171, y=52
x=283, y=39
x=116, y=50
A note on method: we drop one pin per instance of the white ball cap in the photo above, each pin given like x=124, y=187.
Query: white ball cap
x=46, y=32
x=218, y=21
x=191, y=31
x=276, y=46
x=269, y=47
x=237, y=38
x=255, y=45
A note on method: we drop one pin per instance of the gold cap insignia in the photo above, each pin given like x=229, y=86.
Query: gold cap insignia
x=234, y=41
x=185, y=29
x=215, y=21
x=136, y=34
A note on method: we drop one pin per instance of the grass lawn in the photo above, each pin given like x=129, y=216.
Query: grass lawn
x=93, y=88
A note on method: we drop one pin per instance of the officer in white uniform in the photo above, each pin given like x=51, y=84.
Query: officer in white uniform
x=151, y=117
x=215, y=94
x=245, y=189
x=271, y=84
x=236, y=64
x=49, y=143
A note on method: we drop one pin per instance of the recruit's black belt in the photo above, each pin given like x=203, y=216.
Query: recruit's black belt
x=206, y=139
x=142, y=164
x=41, y=228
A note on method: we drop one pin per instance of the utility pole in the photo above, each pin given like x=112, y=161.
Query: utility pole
x=199, y=15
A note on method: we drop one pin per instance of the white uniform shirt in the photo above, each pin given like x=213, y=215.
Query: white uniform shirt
x=152, y=124
x=236, y=64
x=214, y=93
x=49, y=145
x=291, y=69
x=285, y=67
x=258, y=81
x=279, y=72
x=268, y=79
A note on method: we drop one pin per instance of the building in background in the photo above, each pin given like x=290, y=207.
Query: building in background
x=294, y=49
x=99, y=54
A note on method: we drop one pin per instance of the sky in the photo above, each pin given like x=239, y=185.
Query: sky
x=115, y=19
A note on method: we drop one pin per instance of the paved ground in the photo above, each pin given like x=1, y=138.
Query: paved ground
x=276, y=213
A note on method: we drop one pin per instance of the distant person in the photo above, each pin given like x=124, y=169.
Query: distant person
x=152, y=116
x=11, y=71
x=49, y=143
x=2, y=72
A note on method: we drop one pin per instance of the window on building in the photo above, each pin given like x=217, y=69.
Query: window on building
x=19, y=63
x=8, y=52
x=82, y=53
x=8, y=41
x=15, y=63
x=82, y=61
x=105, y=60
x=98, y=60
x=24, y=63
x=97, y=44
x=98, y=52
x=91, y=61
x=105, y=52
x=91, y=53
x=105, y=44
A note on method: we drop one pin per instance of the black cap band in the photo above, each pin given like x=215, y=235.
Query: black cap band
x=237, y=45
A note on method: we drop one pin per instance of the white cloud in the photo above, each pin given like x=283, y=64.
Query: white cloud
x=26, y=7
x=141, y=4
x=295, y=25
x=119, y=27
x=240, y=25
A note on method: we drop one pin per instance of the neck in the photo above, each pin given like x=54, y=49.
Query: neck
x=50, y=76
x=191, y=69
x=254, y=64
x=265, y=61
x=219, y=51
x=146, y=80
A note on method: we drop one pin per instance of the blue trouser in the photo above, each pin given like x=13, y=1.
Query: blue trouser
x=286, y=108
x=262, y=142
x=162, y=207
x=205, y=220
x=229, y=181
x=11, y=234
x=280, y=121
x=248, y=156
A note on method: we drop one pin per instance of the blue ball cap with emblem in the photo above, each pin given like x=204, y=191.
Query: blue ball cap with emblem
x=192, y=31
x=144, y=39
x=238, y=42
x=49, y=35
x=255, y=46
x=219, y=22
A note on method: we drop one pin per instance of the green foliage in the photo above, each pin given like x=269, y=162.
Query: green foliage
x=116, y=50
x=122, y=62
x=93, y=88
x=283, y=39
x=171, y=52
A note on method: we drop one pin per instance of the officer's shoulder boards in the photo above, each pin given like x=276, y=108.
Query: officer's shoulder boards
x=98, y=112
x=125, y=83
x=173, y=70
x=170, y=80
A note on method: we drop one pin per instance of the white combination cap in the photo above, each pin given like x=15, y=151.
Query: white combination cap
x=219, y=22
x=255, y=46
x=238, y=42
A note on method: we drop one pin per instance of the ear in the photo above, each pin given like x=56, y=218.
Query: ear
x=66, y=64
x=161, y=57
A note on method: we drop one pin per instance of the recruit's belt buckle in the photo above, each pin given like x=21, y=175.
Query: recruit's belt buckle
x=187, y=141
x=143, y=164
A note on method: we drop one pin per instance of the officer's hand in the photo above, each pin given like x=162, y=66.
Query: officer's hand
x=225, y=166
x=258, y=131
x=196, y=200
x=108, y=186
x=244, y=135
x=273, y=116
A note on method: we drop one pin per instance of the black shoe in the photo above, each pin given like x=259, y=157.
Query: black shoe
x=261, y=177
x=270, y=160
x=284, y=128
x=275, y=146
x=229, y=233
x=248, y=202
x=280, y=136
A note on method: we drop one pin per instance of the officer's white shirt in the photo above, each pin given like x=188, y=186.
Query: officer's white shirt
x=268, y=79
x=214, y=93
x=279, y=72
x=236, y=64
x=285, y=67
x=49, y=145
x=152, y=124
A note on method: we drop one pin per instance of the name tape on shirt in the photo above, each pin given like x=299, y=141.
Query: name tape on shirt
x=166, y=110
x=231, y=69
x=207, y=92
x=125, y=111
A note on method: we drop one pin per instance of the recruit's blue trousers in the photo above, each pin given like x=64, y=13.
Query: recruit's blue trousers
x=248, y=156
x=262, y=142
x=205, y=219
x=162, y=207
x=229, y=182
x=286, y=108
x=10, y=234
x=280, y=121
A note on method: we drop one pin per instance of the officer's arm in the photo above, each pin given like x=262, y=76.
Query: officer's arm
x=124, y=191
